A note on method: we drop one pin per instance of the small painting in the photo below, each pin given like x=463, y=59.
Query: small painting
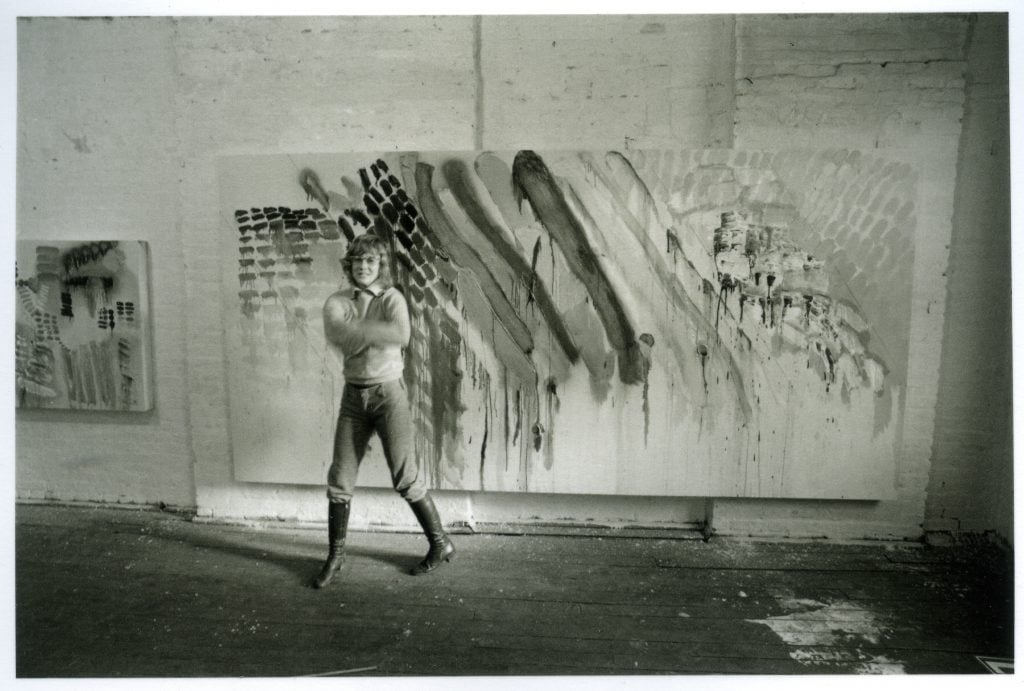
x=81, y=327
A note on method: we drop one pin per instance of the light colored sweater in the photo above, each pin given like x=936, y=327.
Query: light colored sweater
x=370, y=326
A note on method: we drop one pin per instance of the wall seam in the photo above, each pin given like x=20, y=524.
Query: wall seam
x=179, y=147
x=478, y=125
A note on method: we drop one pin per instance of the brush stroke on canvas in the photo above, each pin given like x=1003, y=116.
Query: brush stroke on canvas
x=81, y=337
x=693, y=323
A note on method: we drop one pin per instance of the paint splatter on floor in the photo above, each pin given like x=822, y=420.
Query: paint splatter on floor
x=826, y=634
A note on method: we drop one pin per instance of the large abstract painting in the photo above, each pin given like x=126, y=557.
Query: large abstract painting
x=682, y=323
x=81, y=326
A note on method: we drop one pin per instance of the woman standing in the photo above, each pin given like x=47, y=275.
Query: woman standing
x=369, y=323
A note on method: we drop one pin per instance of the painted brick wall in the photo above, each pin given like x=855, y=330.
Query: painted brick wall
x=253, y=85
x=97, y=158
x=887, y=84
x=607, y=82
x=971, y=485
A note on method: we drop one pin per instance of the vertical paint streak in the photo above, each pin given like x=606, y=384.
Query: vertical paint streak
x=124, y=366
x=522, y=411
x=487, y=427
x=646, y=344
x=533, y=270
x=445, y=346
x=519, y=415
x=553, y=405
x=505, y=410
x=104, y=379
x=89, y=375
x=70, y=381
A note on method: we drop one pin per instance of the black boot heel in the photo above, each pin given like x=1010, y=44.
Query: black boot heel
x=337, y=529
x=442, y=550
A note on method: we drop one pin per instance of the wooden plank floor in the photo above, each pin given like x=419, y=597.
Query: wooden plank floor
x=121, y=593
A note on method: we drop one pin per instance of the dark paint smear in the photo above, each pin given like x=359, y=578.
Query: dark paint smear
x=496, y=176
x=883, y=410
x=679, y=296
x=831, y=369
x=487, y=426
x=672, y=243
x=457, y=174
x=727, y=287
x=702, y=350
x=553, y=405
x=519, y=415
x=464, y=255
x=532, y=181
x=351, y=188
x=359, y=217
x=533, y=270
x=530, y=407
x=346, y=228
x=445, y=346
x=646, y=343
x=631, y=357
x=505, y=406
x=314, y=190
x=447, y=245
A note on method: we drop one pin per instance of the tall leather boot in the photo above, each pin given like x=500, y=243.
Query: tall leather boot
x=337, y=528
x=441, y=547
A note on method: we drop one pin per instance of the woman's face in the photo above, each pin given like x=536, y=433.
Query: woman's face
x=365, y=269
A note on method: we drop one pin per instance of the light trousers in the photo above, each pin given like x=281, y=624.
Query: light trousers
x=384, y=409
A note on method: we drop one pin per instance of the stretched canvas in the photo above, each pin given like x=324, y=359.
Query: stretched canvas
x=81, y=325
x=682, y=323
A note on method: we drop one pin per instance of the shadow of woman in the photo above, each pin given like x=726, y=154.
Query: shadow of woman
x=297, y=556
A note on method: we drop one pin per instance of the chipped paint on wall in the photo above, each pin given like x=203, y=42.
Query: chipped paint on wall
x=642, y=322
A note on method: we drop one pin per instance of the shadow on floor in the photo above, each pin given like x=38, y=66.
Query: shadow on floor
x=299, y=555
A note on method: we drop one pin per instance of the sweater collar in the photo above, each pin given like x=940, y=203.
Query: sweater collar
x=374, y=289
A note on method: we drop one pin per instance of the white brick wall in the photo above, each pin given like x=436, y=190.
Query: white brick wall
x=159, y=99
x=607, y=82
x=971, y=486
x=891, y=85
x=110, y=86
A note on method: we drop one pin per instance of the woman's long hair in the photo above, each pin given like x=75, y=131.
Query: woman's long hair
x=368, y=244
